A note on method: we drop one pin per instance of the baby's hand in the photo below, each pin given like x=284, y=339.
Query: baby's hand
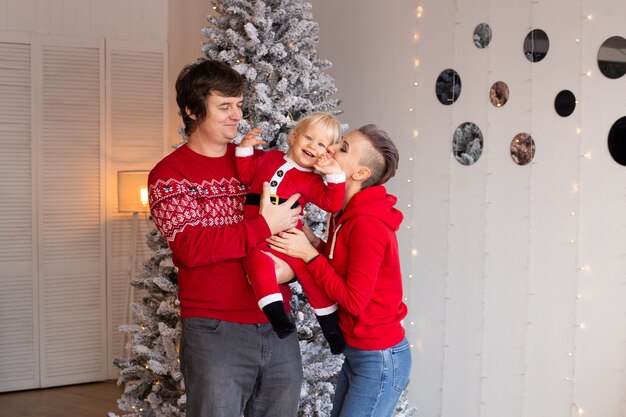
x=252, y=138
x=327, y=165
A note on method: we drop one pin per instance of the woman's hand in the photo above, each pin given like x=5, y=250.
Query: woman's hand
x=293, y=242
x=284, y=273
x=315, y=241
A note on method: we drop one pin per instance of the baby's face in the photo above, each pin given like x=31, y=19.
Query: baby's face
x=308, y=145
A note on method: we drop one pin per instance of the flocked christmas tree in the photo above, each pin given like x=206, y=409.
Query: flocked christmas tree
x=272, y=43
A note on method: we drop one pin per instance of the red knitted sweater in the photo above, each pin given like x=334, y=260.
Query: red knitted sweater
x=196, y=203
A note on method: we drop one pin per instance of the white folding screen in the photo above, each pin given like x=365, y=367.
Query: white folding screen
x=64, y=248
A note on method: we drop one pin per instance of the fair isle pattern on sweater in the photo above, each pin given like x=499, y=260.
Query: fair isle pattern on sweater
x=176, y=204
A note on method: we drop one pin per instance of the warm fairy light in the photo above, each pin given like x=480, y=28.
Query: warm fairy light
x=410, y=108
x=415, y=133
x=416, y=83
x=416, y=62
x=588, y=73
x=419, y=11
x=575, y=188
x=410, y=158
x=589, y=17
x=582, y=326
x=409, y=180
x=578, y=130
x=414, y=252
x=587, y=155
x=577, y=40
x=571, y=242
x=416, y=36
x=573, y=213
x=409, y=205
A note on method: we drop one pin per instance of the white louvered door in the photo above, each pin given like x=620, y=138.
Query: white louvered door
x=136, y=118
x=19, y=350
x=72, y=278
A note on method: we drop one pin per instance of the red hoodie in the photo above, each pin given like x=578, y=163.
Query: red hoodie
x=361, y=270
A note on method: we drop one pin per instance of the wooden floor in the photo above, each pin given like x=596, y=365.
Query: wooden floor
x=87, y=400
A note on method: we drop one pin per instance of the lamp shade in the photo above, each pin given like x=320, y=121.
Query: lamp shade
x=132, y=191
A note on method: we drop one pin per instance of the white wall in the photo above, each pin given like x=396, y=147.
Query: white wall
x=514, y=275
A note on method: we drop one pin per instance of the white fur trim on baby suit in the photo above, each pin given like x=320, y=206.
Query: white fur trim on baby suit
x=244, y=151
x=268, y=299
x=326, y=310
x=336, y=178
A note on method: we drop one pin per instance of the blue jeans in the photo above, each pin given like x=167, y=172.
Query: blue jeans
x=371, y=381
x=232, y=369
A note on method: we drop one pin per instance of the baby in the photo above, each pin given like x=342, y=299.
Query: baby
x=296, y=171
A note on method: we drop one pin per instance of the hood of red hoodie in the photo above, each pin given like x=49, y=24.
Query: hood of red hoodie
x=374, y=202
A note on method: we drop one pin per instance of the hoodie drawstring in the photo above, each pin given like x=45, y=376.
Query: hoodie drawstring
x=332, y=246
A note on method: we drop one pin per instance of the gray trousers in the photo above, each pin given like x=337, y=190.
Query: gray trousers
x=232, y=369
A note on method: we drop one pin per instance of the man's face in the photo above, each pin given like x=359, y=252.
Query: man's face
x=222, y=117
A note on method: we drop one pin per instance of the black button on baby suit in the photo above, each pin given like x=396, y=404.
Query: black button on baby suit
x=280, y=173
x=274, y=183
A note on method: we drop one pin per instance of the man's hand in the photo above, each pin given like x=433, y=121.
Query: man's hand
x=252, y=138
x=282, y=216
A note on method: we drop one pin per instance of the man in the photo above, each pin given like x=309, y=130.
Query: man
x=232, y=361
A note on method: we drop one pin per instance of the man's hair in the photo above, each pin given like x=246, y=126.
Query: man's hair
x=329, y=123
x=383, y=162
x=197, y=81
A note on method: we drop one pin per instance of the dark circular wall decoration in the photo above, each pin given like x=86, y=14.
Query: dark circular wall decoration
x=522, y=149
x=499, y=93
x=536, y=45
x=467, y=143
x=565, y=103
x=448, y=86
x=482, y=35
x=617, y=141
x=612, y=57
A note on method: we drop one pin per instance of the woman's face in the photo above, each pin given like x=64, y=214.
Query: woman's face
x=349, y=152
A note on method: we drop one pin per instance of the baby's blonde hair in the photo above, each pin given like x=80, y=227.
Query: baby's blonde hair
x=329, y=123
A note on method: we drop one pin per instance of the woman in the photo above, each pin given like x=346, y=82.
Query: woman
x=360, y=270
